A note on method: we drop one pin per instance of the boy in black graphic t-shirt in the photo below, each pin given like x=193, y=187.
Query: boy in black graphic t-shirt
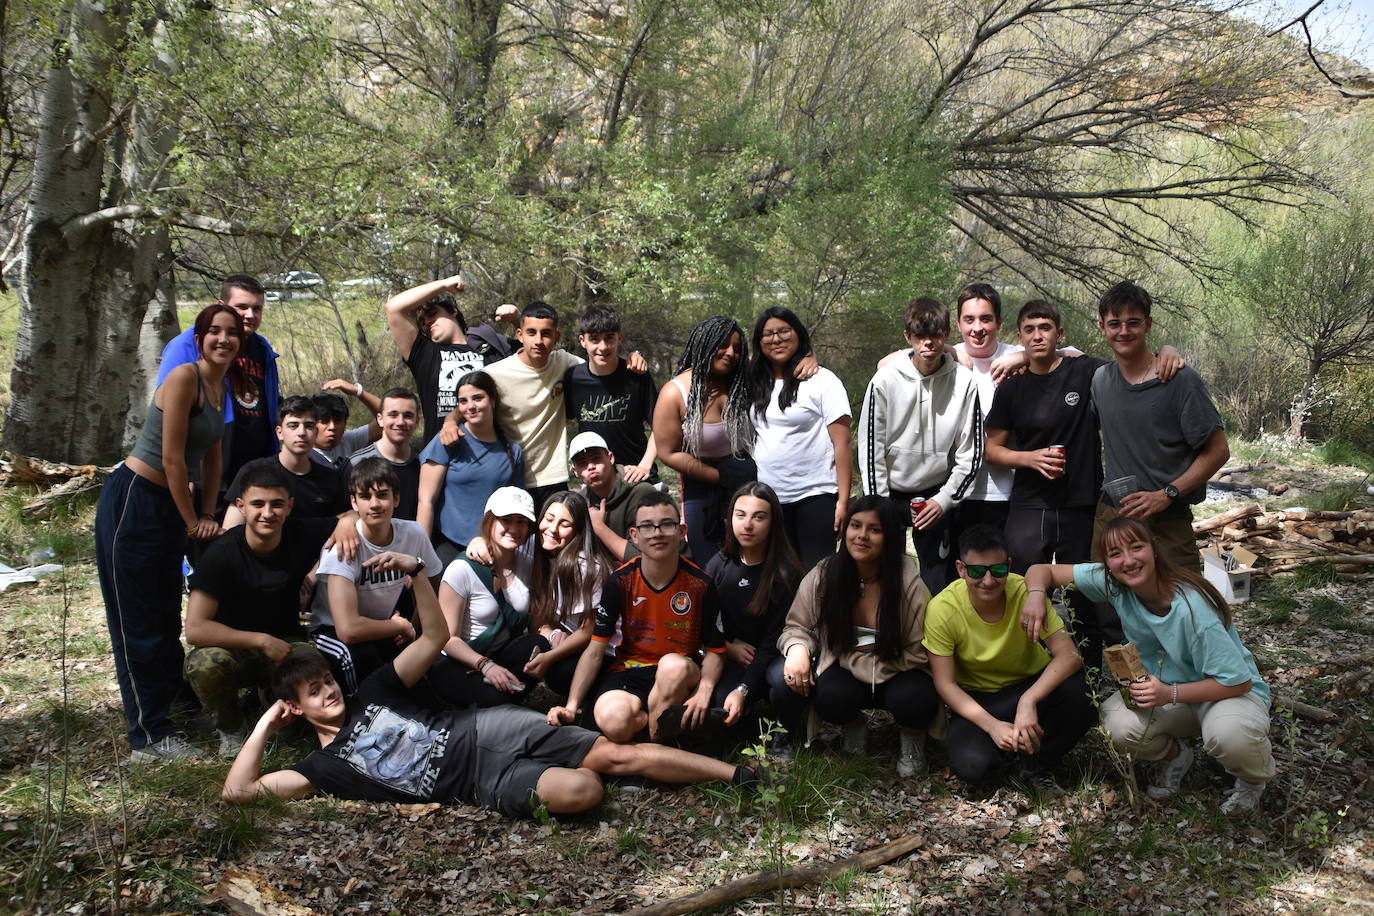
x=439, y=348
x=387, y=746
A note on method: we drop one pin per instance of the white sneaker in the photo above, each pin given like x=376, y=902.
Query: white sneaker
x=856, y=736
x=173, y=747
x=1243, y=798
x=231, y=741
x=1168, y=774
x=912, y=759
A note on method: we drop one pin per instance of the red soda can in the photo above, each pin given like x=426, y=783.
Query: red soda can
x=917, y=504
x=1058, y=451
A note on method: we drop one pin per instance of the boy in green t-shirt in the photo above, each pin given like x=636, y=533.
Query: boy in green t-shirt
x=1012, y=701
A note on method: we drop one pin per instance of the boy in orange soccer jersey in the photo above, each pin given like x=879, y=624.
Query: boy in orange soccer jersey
x=666, y=609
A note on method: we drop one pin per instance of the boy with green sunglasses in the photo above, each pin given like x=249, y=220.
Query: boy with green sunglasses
x=1013, y=700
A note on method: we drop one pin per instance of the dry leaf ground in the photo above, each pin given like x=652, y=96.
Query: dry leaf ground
x=82, y=833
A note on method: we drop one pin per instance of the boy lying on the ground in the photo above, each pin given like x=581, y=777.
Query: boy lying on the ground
x=387, y=745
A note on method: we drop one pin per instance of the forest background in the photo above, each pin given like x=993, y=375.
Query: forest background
x=676, y=159
x=681, y=159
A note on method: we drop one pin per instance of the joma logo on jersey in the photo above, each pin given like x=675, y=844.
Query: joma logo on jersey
x=681, y=603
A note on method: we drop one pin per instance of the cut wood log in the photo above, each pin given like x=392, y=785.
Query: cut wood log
x=761, y=882
x=1223, y=519
x=1316, y=532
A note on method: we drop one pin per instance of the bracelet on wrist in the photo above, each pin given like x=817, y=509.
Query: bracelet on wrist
x=1175, y=694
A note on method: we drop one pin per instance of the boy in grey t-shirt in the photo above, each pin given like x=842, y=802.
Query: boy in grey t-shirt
x=359, y=618
x=1169, y=438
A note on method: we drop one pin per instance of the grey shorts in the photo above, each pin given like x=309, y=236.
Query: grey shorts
x=514, y=746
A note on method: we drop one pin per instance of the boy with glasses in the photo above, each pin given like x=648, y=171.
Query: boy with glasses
x=1011, y=700
x=666, y=609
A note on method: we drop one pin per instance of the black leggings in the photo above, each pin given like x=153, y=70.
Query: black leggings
x=839, y=697
x=461, y=686
x=1065, y=715
x=810, y=523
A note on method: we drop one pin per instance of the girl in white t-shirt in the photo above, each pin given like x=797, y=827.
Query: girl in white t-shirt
x=487, y=609
x=802, y=434
x=569, y=566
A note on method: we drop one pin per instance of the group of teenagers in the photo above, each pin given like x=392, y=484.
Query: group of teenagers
x=405, y=601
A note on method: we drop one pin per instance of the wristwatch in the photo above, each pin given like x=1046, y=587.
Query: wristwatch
x=743, y=690
x=1171, y=491
x=420, y=564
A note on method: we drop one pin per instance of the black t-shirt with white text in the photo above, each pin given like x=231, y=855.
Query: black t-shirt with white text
x=395, y=748
x=437, y=368
x=260, y=593
x=318, y=493
x=617, y=406
x=1038, y=411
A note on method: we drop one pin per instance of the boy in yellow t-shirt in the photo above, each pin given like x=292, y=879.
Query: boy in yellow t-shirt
x=1012, y=700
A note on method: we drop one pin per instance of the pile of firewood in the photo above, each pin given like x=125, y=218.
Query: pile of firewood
x=1291, y=538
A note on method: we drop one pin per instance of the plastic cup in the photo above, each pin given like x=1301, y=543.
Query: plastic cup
x=1120, y=488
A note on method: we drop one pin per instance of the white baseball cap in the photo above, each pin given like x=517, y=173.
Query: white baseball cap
x=511, y=501
x=584, y=441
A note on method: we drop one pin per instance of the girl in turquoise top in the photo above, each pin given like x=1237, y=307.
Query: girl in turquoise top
x=1202, y=680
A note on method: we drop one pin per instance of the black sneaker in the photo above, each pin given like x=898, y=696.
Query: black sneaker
x=750, y=777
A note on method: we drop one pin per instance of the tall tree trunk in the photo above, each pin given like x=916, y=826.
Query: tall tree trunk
x=1302, y=404
x=87, y=285
x=159, y=326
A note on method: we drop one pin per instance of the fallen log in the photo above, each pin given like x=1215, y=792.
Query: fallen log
x=42, y=504
x=763, y=881
x=1304, y=710
x=1225, y=518
x=1242, y=468
x=1349, y=562
x=250, y=894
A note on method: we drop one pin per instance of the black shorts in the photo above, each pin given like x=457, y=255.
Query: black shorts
x=514, y=746
x=636, y=681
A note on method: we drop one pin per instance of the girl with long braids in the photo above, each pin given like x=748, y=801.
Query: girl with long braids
x=703, y=429
x=455, y=480
x=853, y=638
x=1202, y=680
x=803, y=436
x=756, y=575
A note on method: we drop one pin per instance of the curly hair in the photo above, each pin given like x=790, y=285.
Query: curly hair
x=702, y=344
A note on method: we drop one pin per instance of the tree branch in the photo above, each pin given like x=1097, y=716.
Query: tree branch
x=78, y=226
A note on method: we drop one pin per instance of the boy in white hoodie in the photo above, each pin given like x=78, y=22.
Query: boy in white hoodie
x=921, y=436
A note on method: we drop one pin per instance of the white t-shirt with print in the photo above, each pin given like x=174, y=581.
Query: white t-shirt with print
x=378, y=591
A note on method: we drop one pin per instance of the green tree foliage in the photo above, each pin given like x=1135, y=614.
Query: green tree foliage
x=1311, y=284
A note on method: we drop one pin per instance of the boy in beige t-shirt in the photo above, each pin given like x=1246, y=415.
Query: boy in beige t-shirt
x=532, y=407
